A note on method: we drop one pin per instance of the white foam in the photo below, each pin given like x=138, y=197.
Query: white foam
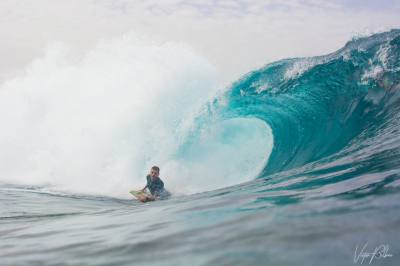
x=377, y=65
x=90, y=125
x=299, y=67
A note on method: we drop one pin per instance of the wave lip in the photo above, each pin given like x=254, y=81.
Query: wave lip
x=319, y=106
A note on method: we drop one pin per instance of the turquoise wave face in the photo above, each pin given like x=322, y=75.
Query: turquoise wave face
x=324, y=108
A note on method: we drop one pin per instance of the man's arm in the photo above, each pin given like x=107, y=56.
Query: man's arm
x=147, y=184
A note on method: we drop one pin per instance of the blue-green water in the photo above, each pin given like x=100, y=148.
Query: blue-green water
x=331, y=183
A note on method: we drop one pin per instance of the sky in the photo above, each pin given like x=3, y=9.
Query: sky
x=234, y=36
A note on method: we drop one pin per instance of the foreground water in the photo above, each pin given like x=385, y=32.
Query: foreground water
x=329, y=194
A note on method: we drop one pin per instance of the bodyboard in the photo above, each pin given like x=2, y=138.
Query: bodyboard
x=140, y=195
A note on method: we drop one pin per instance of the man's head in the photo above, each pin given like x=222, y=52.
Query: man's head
x=154, y=172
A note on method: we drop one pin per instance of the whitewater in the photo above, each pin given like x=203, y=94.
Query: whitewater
x=295, y=163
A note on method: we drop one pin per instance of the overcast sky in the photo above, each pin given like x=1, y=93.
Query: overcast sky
x=234, y=36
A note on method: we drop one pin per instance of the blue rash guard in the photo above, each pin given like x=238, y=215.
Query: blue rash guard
x=156, y=187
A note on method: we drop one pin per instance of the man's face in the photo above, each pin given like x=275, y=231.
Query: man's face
x=154, y=173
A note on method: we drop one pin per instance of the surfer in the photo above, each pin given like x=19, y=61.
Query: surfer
x=155, y=185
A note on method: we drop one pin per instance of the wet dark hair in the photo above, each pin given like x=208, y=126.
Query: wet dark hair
x=156, y=168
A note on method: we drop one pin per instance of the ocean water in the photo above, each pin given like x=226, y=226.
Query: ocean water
x=296, y=163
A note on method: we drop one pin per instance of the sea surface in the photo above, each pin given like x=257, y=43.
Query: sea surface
x=327, y=191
